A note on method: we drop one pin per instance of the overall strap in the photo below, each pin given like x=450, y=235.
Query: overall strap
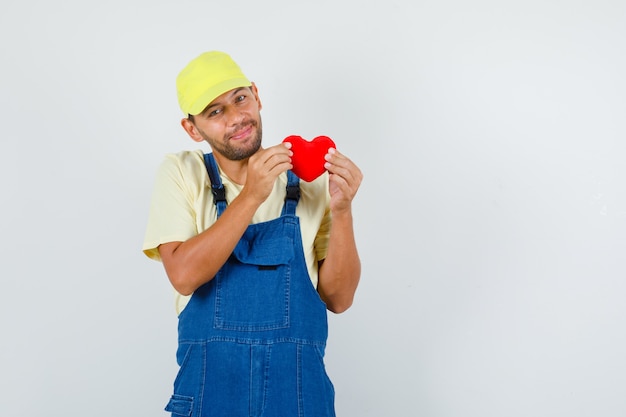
x=293, y=194
x=219, y=192
x=217, y=188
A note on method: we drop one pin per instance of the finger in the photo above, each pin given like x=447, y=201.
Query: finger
x=346, y=186
x=335, y=157
x=270, y=155
x=276, y=160
x=341, y=173
x=344, y=168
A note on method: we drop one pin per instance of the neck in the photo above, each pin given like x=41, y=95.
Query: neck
x=236, y=170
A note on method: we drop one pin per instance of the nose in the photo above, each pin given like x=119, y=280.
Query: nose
x=234, y=116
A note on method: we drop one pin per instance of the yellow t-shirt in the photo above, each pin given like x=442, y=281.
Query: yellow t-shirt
x=182, y=207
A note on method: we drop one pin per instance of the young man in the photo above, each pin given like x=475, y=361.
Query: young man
x=255, y=255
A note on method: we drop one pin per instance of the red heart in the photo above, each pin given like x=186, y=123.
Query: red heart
x=308, y=157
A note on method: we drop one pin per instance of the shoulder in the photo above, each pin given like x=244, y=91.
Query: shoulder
x=185, y=169
x=183, y=160
x=184, y=165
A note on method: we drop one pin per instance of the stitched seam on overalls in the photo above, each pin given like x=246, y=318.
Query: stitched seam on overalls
x=248, y=341
x=299, y=380
x=266, y=376
x=202, y=384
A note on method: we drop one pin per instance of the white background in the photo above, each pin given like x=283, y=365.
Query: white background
x=491, y=222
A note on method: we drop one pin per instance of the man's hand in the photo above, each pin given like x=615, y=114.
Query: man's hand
x=186, y=263
x=340, y=271
x=263, y=169
x=345, y=179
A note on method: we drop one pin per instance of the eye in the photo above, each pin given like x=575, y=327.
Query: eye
x=215, y=112
x=240, y=98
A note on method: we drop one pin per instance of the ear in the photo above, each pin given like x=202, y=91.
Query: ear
x=191, y=130
x=255, y=91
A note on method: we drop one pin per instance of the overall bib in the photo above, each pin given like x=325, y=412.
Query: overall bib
x=251, y=341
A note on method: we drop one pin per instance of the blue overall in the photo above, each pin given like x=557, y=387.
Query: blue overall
x=251, y=341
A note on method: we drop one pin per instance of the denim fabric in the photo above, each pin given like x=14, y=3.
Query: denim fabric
x=252, y=340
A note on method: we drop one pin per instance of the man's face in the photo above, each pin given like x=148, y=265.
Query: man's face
x=231, y=124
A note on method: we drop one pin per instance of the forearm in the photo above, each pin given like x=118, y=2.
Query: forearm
x=340, y=272
x=196, y=261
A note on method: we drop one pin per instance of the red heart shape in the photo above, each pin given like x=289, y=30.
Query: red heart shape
x=308, y=157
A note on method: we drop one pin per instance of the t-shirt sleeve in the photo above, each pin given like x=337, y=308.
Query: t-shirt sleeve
x=323, y=235
x=172, y=216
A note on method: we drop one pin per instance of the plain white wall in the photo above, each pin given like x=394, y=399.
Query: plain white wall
x=491, y=223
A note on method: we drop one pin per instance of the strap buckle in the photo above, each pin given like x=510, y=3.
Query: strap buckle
x=293, y=192
x=219, y=193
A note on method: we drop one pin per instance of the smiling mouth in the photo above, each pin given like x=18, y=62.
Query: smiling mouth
x=242, y=133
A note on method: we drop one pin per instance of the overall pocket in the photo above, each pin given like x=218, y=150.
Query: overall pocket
x=189, y=380
x=252, y=288
x=180, y=405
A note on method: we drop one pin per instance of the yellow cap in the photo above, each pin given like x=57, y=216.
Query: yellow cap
x=206, y=77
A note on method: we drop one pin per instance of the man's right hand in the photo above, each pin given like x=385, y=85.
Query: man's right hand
x=263, y=169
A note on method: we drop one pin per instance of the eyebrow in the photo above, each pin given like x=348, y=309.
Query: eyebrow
x=234, y=93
